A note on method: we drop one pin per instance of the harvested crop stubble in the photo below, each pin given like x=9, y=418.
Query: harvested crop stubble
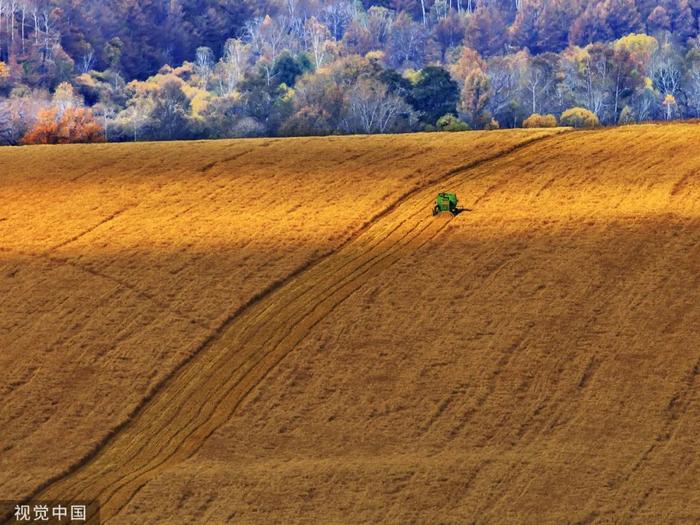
x=118, y=262
x=534, y=360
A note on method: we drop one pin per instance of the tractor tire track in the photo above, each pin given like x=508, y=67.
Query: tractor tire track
x=254, y=322
x=239, y=354
x=178, y=435
x=275, y=356
x=91, y=229
x=216, y=163
x=281, y=321
x=676, y=408
x=258, y=326
x=420, y=209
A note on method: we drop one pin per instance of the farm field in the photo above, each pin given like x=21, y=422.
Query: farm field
x=296, y=338
x=118, y=262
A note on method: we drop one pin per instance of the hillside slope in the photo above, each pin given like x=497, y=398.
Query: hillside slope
x=119, y=262
x=533, y=359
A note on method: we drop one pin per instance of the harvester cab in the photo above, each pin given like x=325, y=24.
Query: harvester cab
x=445, y=202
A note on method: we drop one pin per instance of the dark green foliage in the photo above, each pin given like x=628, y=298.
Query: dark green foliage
x=265, y=103
x=434, y=95
x=396, y=84
x=288, y=68
x=451, y=123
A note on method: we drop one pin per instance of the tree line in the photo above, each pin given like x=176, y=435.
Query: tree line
x=73, y=70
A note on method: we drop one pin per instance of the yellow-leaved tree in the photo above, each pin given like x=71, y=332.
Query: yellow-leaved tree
x=540, y=121
x=579, y=118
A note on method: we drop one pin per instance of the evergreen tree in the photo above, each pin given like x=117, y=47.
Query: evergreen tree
x=287, y=68
x=434, y=95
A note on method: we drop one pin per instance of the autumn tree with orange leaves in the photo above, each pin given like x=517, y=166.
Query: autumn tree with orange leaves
x=73, y=125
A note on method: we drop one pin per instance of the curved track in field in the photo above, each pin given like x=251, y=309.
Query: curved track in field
x=199, y=397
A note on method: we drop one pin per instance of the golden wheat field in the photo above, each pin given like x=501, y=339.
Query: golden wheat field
x=279, y=331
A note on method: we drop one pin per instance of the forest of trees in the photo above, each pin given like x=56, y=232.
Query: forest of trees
x=120, y=70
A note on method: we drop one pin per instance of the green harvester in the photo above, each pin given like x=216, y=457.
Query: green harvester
x=445, y=202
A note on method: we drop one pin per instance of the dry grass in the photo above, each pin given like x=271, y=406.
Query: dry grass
x=532, y=360
x=117, y=262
